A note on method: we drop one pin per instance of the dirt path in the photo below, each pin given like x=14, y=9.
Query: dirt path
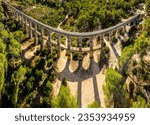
x=113, y=57
x=66, y=18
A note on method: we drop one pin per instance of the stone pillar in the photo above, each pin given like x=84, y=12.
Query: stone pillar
x=13, y=14
x=35, y=34
x=68, y=53
x=91, y=47
x=80, y=50
x=49, y=41
x=103, y=37
x=80, y=44
x=30, y=29
x=17, y=16
x=41, y=38
x=42, y=34
x=110, y=37
x=117, y=34
x=26, y=25
x=95, y=39
x=126, y=31
x=101, y=40
x=68, y=43
x=58, y=42
x=91, y=44
x=22, y=22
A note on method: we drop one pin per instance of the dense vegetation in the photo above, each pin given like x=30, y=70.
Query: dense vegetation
x=21, y=85
x=137, y=70
x=84, y=15
x=29, y=83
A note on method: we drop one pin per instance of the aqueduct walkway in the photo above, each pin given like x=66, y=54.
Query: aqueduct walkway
x=64, y=39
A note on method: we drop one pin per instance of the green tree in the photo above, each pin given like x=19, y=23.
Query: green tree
x=140, y=103
x=147, y=27
x=113, y=88
x=147, y=2
x=2, y=46
x=14, y=49
x=64, y=99
x=4, y=35
x=17, y=78
x=48, y=89
x=141, y=44
x=93, y=105
x=1, y=26
x=3, y=68
x=126, y=54
x=1, y=9
x=18, y=35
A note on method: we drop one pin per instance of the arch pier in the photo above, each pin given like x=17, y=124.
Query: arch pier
x=70, y=41
x=85, y=42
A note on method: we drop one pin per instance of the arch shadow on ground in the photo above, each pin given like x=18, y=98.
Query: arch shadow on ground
x=80, y=74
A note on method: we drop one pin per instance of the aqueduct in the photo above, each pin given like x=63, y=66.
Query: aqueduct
x=63, y=39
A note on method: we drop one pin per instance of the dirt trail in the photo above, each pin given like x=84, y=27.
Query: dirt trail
x=113, y=57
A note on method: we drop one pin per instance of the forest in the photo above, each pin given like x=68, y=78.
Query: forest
x=26, y=83
x=85, y=15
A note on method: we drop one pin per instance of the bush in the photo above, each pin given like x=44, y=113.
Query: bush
x=93, y=105
x=48, y=89
x=1, y=26
x=1, y=9
x=147, y=27
x=18, y=35
x=126, y=54
x=1, y=16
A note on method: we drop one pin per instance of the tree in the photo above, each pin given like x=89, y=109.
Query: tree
x=139, y=103
x=48, y=89
x=126, y=54
x=147, y=27
x=4, y=35
x=2, y=46
x=17, y=78
x=64, y=99
x=14, y=50
x=2, y=16
x=1, y=9
x=93, y=105
x=3, y=68
x=113, y=88
x=2, y=78
x=1, y=26
x=147, y=2
x=18, y=35
x=141, y=44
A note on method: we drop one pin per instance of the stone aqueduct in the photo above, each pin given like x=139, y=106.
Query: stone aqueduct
x=38, y=30
x=44, y=32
